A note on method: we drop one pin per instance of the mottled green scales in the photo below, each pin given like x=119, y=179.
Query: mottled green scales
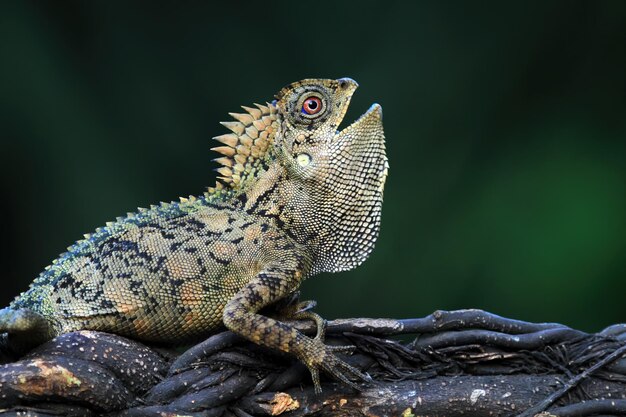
x=295, y=197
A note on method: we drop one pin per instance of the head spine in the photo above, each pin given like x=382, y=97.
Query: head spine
x=246, y=147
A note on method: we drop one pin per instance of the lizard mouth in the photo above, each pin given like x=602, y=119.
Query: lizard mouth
x=375, y=110
x=370, y=121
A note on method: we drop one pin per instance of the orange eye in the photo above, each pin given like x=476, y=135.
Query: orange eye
x=312, y=105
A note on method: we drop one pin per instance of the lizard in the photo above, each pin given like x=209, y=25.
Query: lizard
x=294, y=197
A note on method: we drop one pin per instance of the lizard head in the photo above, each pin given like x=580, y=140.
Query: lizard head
x=330, y=182
x=335, y=178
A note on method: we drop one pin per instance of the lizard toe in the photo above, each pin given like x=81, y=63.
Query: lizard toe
x=338, y=369
x=348, y=349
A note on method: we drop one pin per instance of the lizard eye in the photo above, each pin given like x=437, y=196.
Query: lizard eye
x=312, y=105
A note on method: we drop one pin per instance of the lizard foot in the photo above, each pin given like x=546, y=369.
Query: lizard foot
x=320, y=323
x=301, y=310
x=333, y=366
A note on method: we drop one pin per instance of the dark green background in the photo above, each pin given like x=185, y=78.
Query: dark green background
x=505, y=121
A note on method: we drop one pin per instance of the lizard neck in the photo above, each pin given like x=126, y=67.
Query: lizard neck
x=275, y=196
x=338, y=229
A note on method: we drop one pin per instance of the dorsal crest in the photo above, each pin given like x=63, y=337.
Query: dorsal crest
x=245, y=147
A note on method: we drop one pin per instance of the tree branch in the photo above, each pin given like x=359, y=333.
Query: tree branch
x=460, y=362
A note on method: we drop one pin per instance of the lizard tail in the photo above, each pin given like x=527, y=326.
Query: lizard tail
x=23, y=330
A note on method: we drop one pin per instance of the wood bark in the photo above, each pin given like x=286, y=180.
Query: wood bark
x=456, y=363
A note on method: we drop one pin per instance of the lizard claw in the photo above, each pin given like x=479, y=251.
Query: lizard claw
x=336, y=368
x=303, y=306
x=339, y=370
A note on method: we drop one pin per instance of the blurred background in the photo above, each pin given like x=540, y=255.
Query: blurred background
x=505, y=123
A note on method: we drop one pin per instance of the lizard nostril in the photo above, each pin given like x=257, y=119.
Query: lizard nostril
x=345, y=83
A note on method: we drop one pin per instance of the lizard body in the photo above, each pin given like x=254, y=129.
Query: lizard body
x=296, y=197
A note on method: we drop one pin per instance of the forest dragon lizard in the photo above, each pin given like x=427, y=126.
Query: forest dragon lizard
x=295, y=197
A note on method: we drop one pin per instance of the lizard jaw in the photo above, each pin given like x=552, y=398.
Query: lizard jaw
x=368, y=125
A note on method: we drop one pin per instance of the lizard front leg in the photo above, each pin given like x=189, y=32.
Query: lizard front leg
x=241, y=316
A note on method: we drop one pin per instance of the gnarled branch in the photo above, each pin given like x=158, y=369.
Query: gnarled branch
x=460, y=362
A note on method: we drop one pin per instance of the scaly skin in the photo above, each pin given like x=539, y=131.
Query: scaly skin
x=296, y=198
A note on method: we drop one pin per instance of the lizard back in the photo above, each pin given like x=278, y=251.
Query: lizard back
x=162, y=275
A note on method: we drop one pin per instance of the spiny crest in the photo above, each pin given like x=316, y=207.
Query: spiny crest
x=252, y=134
x=163, y=209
